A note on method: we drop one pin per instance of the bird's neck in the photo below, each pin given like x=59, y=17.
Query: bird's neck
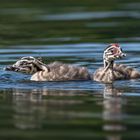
x=108, y=65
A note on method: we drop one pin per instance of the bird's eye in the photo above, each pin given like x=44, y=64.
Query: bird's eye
x=112, y=51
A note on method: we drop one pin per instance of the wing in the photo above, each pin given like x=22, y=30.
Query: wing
x=128, y=72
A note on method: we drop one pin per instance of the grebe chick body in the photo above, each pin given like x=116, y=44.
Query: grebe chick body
x=58, y=71
x=55, y=71
x=111, y=71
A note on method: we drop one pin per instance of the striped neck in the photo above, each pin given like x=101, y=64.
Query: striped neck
x=108, y=64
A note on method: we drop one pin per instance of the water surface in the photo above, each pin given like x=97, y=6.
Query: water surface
x=77, y=33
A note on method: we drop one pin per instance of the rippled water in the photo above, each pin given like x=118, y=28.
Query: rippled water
x=71, y=32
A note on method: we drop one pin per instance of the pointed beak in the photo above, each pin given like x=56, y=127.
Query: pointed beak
x=11, y=68
x=121, y=55
x=8, y=68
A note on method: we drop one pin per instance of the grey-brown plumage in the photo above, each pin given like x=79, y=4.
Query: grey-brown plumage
x=61, y=72
x=111, y=71
x=119, y=72
x=128, y=72
x=55, y=71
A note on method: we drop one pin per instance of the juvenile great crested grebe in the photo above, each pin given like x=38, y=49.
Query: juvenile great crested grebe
x=58, y=71
x=111, y=71
x=55, y=71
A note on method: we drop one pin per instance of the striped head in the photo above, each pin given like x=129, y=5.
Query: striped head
x=28, y=65
x=113, y=52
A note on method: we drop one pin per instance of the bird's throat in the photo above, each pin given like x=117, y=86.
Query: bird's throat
x=108, y=65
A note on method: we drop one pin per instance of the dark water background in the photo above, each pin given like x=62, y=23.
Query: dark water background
x=71, y=31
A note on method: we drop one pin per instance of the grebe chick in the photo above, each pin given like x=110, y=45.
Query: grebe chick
x=55, y=71
x=111, y=71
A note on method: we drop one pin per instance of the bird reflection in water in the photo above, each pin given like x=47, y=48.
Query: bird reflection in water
x=112, y=112
x=33, y=107
x=28, y=109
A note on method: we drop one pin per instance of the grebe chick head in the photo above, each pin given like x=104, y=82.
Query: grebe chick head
x=112, y=52
x=29, y=65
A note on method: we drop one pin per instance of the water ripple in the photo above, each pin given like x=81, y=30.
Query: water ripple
x=90, y=15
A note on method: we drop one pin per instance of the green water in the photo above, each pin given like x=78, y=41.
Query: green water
x=76, y=32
